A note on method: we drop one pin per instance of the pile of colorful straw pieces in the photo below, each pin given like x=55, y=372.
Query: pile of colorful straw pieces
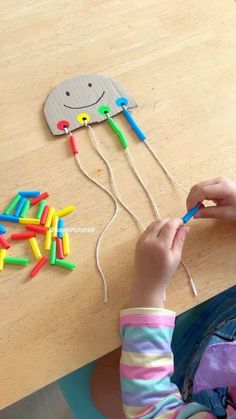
x=47, y=222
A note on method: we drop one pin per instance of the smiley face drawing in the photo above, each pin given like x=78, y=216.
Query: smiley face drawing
x=84, y=94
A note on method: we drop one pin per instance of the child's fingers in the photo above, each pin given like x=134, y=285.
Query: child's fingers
x=155, y=227
x=216, y=212
x=212, y=181
x=168, y=231
x=179, y=240
x=209, y=192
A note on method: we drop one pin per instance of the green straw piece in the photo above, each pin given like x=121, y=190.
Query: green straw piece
x=12, y=204
x=25, y=209
x=53, y=250
x=114, y=126
x=41, y=207
x=122, y=139
x=16, y=261
x=65, y=264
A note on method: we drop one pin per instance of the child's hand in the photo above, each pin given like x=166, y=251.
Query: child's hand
x=221, y=191
x=158, y=253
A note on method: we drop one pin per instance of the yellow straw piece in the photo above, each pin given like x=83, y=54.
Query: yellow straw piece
x=3, y=253
x=54, y=225
x=35, y=248
x=66, y=244
x=48, y=240
x=49, y=217
x=29, y=221
x=65, y=211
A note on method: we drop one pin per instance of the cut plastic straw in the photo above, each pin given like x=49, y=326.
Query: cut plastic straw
x=60, y=254
x=65, y=264
x=29, y=221
x=35, y=248
x=10, y=218
x=3, y=242
x=41, y=207
x=48, y=240
x=16, y=261
x=12, y=204
x=191, y=213
x=44, y=215
x=3, y=253
x=38, y=266
x=65, y=211
x=66, y=244
x=22, y=236
x=25, y=209
x=39, y=198
x=36, y=229
x=60, y=227
x=53, y=251
x=20, y=207
x=29, y=194
x=2, y=229
x=54, y=225
x=48, y=221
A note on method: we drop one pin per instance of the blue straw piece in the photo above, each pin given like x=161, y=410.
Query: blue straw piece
x=138, y=131
x=20, y=207
x=11, y=218
x=60, y=227
x=2, y=229
x=191, y=213
x=29, y=194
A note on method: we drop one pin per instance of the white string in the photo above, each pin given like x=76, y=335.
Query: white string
x=191, y=280
x=157, y=213
x=158, y=216
x=157, y=158
x=105, y=228
x=133, y=166
x=113, y=183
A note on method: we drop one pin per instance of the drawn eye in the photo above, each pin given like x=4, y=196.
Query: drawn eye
x=90, y=85
x=67, y=93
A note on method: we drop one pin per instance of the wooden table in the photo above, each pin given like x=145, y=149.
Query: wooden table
x=178, y=59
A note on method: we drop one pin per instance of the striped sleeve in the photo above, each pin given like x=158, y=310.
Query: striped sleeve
x=146, y=365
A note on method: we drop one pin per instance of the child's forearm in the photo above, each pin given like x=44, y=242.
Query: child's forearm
x=144, y=296
x=147, y=364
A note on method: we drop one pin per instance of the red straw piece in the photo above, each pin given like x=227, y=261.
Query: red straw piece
x=3, y=242
x=60, y=253
x=44, y=215
x=37, y=229
x=39, y=198
x=73, y=145
x=38, y=266
x=22, y=236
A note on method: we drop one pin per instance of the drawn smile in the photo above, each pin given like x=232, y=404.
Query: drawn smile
x=87, y=106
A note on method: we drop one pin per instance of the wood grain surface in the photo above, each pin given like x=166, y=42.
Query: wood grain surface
x=178, y=59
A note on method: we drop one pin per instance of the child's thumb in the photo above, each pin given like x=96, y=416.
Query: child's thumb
x=179, y=239
x=215, y=211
